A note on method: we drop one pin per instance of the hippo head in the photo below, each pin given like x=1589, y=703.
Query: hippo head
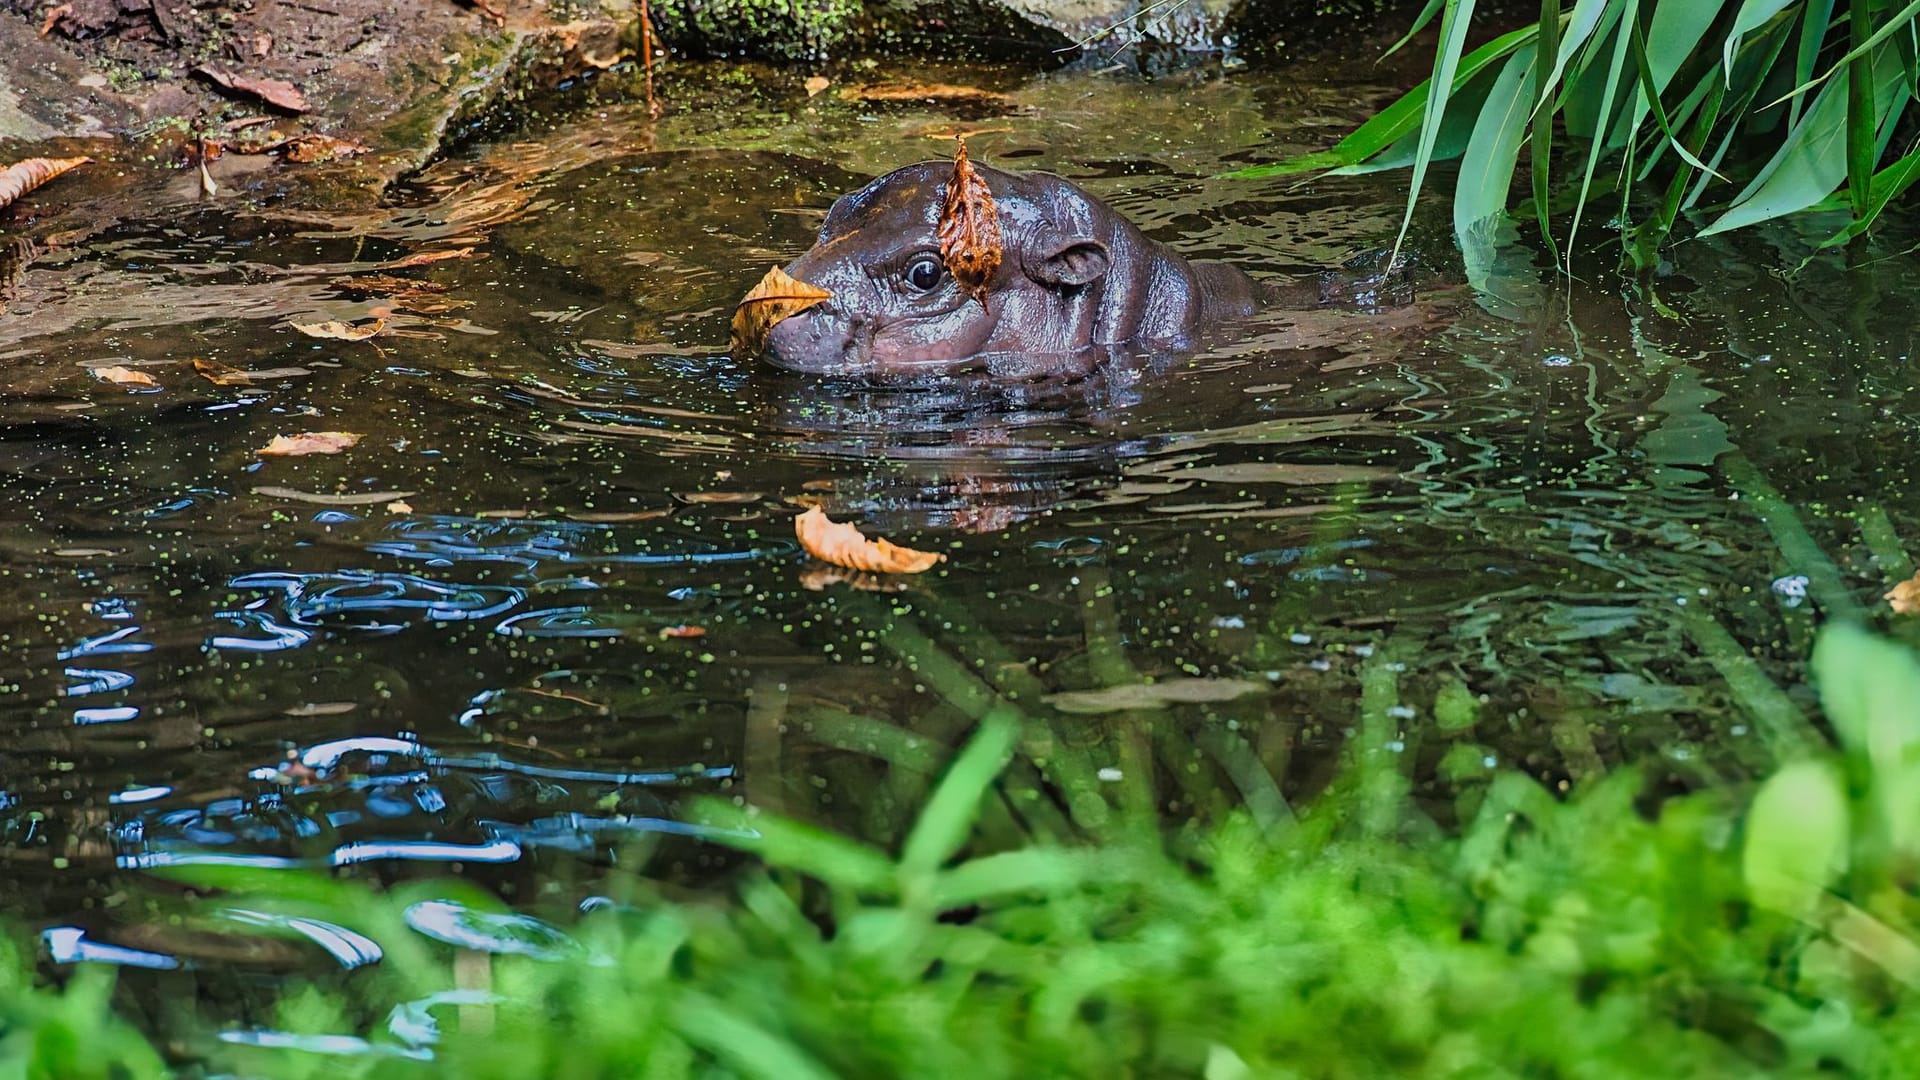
x=897, y=310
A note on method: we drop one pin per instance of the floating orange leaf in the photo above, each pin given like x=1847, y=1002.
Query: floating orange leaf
x=969, y=227
x=21, y=177
x=685, y=631
x=311, y=442
x=120, y=375
x=1904, y=598
x=276, y=92
x=777, y=296
x=334, y=330
x=844, y=545
x=816, y=83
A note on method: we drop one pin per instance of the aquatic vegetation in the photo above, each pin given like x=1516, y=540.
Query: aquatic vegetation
x=1606, y=933
x=1743, y=112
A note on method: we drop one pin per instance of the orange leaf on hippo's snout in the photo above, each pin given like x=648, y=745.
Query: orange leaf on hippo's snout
x=844, y=545
x=969, y=228
x=778, y=296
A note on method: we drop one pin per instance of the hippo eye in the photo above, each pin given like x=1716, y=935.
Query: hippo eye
x=924, y=272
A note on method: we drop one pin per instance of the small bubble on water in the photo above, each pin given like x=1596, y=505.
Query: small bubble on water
x=1111, y=775
x=1300, y=639
x=1557, y=360
x=1401, y=712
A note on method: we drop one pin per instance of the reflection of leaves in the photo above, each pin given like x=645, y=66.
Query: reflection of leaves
x=777, y=296
x=120, y=375
x=314, y=149
x=423, y=258
x=1904, y=598
x=964, y=99
x=1157, y=695
x=818, y=578
x=23, y=176
x=335, y=330
x=969, y=228
x=221, y=374
x=844, y=545
x=310, y=442
x=683, y=631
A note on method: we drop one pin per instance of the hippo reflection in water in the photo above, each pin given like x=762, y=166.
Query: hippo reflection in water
x=1076, y=279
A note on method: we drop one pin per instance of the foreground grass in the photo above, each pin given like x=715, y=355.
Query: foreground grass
x=1592, y=936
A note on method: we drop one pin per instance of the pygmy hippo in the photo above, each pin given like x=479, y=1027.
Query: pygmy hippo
x=1075, y=276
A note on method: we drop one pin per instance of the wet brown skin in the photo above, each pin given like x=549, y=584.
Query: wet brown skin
x=1075, y=277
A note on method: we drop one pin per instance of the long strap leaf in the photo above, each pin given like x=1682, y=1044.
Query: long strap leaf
x=1453, y=41
x=1542, y=138
x=1596, y=147
x=1859, y=50
x=1862, y=123
x=1652, y=95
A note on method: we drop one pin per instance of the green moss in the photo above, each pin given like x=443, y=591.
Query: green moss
x=802, y=30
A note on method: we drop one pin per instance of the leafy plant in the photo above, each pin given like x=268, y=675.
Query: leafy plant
x=1741, y=110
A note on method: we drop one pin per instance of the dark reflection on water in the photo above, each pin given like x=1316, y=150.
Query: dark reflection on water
x=554, y=590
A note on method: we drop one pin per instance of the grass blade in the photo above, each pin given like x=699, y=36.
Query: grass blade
x=1396, y=121
x=1594, y=149
x=1812, y=162
x=1419, y=23
x=1815, y=19
x=948, y=819
x=1862, y=124
x=1453, y=40
x=1752, y=15
x=1858, y=50
x=1650, y=92
x=1541, y=154
x=1486, y=172
x=1888, y=184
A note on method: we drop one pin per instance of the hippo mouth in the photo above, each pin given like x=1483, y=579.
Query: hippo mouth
x=822, y=340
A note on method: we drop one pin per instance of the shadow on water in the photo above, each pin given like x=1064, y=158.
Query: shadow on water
x=553, y=590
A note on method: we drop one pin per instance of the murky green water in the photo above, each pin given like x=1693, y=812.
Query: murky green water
x=463, y=644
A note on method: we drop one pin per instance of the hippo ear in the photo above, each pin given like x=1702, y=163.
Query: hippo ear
x=1069, y=263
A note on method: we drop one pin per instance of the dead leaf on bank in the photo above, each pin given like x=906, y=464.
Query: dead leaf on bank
x=334, y=330
x=913, y=92
x=816, y=83
x=969, y=228
x=314, y=149
x=276, y=92
x=310, y=442
x=55, y=16
x=120, y=375
x=1155, y=695
x=23, y=176
x=777, y=296
x=1904, y=598
x=844, y=545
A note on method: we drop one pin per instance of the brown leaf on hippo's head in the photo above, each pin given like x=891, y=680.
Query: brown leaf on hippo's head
x=969, y=228
x=778, y=296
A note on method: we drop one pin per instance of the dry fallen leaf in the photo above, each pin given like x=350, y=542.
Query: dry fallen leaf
x=334, y=330
x=816, y=83
x=399, y=506
x=313, y=149
x=1155, y=695
x=422, y=258
x=1904, y=598
x=21, y=177
x=54, y=16
x=844, y=545
x=120, y=375
x=683, y=631
x=311, y=442
x=969, y=228
x=276, y=92
x=319, y=498
x=777, y=296
x=961, y=99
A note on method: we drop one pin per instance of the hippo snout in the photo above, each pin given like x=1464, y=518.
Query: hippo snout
x=817, y=341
